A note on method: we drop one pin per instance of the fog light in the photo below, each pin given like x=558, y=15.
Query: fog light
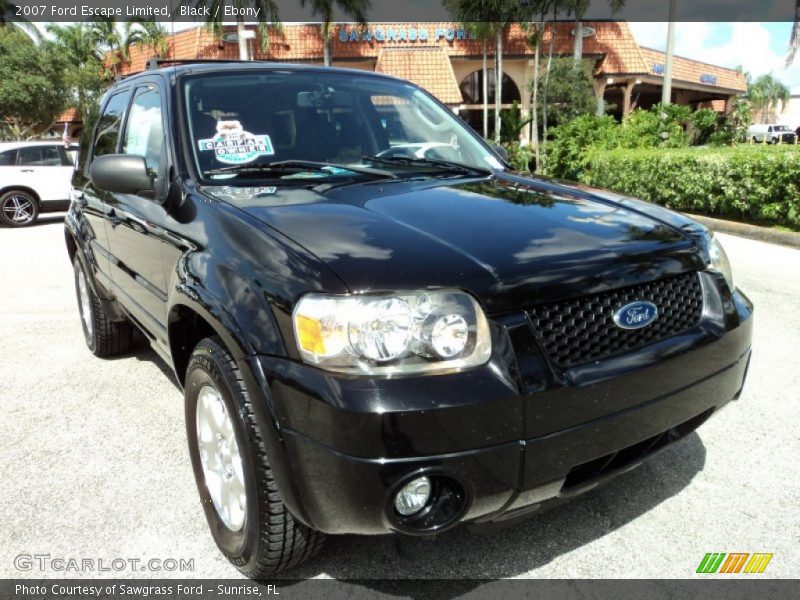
x=413, y=496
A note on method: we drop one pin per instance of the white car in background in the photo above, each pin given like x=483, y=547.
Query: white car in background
x=35, y=177
x=771, y=134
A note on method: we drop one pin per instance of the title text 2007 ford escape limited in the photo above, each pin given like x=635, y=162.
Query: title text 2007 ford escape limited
x=377, y=325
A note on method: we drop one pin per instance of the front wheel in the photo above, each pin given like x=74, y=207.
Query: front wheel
x=18, y=209
x=242, y=503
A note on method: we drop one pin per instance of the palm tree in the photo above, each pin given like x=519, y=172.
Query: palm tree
x=114, y=42
x=535, y=29
x=484, y=32
x=267, y=14
x=765, y=94
x=578, y=8
x=794, y=40
x=8, y=16
x=154, y=36
x=492, y=17
x=78, y=40
x=355, y=9
x=78, y=43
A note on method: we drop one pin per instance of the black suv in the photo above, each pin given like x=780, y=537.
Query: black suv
x=379, y=327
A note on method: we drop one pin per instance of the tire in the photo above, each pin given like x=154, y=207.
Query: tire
x=103, y=336
x=18, y=209
x=242, y=503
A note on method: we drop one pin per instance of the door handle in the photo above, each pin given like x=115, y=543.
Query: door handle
x=112, y=217
x=26, y=170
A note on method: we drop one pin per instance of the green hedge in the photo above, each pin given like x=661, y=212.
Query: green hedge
x=745, y=182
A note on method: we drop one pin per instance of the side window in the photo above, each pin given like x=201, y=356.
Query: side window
x=39, y=156
x=8, y=158
x=144, y=133
x=105, y=141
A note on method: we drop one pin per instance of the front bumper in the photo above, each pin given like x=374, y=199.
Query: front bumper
x=512, y=436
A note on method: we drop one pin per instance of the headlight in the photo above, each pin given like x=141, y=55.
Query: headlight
x=398, y=333
x=719, y=260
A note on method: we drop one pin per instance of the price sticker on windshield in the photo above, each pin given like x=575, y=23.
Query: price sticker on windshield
x=234, y=146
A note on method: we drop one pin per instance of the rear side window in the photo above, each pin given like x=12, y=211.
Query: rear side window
x=39, y=156
x=144, y=134
x=8, y=158
x=108, y=128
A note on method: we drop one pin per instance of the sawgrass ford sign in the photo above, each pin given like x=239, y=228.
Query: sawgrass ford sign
x=403, y=34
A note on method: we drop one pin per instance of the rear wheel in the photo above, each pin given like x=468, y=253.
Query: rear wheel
x=242, y=503
x=18, y=208
x=103, y=336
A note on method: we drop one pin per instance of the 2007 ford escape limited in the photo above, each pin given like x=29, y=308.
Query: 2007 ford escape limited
x=378, y=326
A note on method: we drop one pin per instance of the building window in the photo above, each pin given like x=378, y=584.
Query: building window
x=472, y=87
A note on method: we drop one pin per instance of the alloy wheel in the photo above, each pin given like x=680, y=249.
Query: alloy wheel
x=18, y=210
x=220, y=458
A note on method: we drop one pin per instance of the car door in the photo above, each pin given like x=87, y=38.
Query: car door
x=105, y=140
x=135, y=223
x=42, y=169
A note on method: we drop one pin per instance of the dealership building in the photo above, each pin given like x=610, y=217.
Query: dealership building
x=446, y=60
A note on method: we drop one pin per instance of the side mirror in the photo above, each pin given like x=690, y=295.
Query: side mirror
x=500, y=151
x=121, y=174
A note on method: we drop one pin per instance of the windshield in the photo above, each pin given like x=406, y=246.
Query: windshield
x=240, y=123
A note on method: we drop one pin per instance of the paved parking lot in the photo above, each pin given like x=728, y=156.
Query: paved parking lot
x=94, y=461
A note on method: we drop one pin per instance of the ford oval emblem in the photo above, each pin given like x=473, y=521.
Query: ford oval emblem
x=636, y=315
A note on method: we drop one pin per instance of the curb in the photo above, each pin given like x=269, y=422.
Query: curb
x=753, y=232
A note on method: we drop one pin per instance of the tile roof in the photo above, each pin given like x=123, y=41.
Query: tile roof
x=694, y=71
x=428, y=67
x=612, y=44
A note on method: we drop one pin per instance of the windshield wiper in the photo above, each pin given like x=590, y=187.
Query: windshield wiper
x=435, y=163
x=298, y=166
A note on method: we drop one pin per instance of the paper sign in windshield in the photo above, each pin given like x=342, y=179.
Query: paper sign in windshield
x=234, y=146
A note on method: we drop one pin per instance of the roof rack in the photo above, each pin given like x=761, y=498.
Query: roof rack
x=155, y=63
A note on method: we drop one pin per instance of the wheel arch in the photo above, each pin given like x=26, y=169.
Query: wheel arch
x=187, y=325
x=21, y=188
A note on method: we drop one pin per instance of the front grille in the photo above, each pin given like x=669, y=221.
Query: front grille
x=581, y=330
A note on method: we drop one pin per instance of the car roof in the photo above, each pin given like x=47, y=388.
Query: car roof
x=231, y=66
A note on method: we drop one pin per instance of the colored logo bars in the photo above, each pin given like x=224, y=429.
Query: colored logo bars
x=735, y=562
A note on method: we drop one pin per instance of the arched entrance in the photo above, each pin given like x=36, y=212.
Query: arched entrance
x=472, y=95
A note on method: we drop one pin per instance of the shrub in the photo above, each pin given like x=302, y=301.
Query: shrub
x=661, y=126
x=703, y=124
x=519, y=156
x=755, y=183
x=567, y=150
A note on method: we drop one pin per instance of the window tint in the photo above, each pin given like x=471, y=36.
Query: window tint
x=8, y=158
x=109, y=125
x=39, y=156
x=144, y=134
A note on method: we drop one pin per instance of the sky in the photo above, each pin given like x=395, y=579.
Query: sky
x=759, y=48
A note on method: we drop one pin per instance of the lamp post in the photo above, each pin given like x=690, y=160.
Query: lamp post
x=666, y=90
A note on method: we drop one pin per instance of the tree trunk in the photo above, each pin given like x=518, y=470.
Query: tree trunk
x=326, y=43
x=485, y=92
x=577, y=47
x=546, y=84
x=498, y=86
x=535, y=101
x=240, y=29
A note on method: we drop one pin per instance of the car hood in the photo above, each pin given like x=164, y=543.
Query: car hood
x=511, y=241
